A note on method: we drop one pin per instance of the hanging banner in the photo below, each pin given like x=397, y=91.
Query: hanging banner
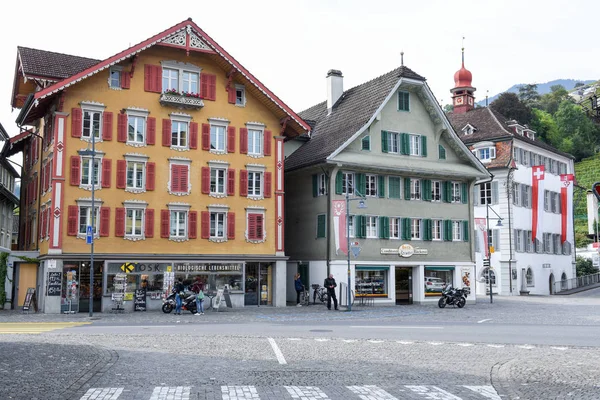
x=566, y=206
x=339, y=226
x=538, y=174
x=480, y=223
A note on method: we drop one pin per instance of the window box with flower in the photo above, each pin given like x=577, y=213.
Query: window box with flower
x=181, y=100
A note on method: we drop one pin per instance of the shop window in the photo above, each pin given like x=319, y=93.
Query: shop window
x=371, y=281
x=436, y=279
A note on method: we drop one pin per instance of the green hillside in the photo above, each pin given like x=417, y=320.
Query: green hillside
x=587, y=172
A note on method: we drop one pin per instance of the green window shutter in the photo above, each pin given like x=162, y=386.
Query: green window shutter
x=465, y=231
x=363, y=226
x=315, y=178
x=464, y=194
x=442, y=152
x=448, y=230
x=423, y=146
x=387, y=227
x=321, y=226
x=381, y=184
x=366, y=143
x=426, y=189
x=447, y=192
x=427, y=229
x=403, y=101
x=361, y=184
x=384, y=228
x=404, y=145
x=407, y=228
x=406, y=188
x=394, y=187
x=339, y=183
x=384, y=141
x=358, y=226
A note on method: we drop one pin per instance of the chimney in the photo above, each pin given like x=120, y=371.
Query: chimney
x=335, y=88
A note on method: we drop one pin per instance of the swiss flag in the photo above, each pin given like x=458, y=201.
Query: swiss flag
x=566, y=209
x=538, y=175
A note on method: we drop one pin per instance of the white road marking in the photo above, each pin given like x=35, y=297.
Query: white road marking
x=277, y=351
x=559, y=348
x=432, y=392
x=349, y=340
x=239, y=393
x=486, y=391
x=375, y=341
x=171, y=393
x=496, y=346
x=395, y=327
x=321, y=340
x=294, y=338
x=526, y=347
x=371, y=392
x=404, y=342
x=464, y=344
x=435, y=343
x=484, y=320
x=102, y=394
x=306, y=392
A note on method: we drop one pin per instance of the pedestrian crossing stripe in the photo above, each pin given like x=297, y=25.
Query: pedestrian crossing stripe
x=365, y=392
x=127, y=267
x=35, y=327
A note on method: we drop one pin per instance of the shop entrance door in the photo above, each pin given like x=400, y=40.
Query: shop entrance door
x=27, y=279
x=404, y=290
x=251, y=285
x=84, y=287
x=266, y=284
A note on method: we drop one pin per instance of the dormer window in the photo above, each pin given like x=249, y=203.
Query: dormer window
x=485, y=152
x=468, y=129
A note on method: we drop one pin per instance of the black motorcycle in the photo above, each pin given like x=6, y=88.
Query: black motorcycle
x=188, y=302
x=454, y=297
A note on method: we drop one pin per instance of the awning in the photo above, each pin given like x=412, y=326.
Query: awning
x=371, y=267
x=446, y=268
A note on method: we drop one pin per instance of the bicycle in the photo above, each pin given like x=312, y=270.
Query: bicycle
x=320, y=293
x=304, y=297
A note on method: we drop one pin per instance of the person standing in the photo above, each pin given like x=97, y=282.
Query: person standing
x=299, y=288
x=200, y=302
x=331, y=285
x=179, y=288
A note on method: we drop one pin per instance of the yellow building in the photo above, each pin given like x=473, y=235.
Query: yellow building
x=184, y=150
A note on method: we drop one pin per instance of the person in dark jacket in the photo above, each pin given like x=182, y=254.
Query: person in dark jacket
x=179, y=288
x=330, y=285
x=299, y=288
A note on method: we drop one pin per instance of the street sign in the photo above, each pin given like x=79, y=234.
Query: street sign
x=355, y=250
x=89, y=235
x=486, y=262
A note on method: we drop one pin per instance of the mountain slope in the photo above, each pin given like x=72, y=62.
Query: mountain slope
x=542, y=88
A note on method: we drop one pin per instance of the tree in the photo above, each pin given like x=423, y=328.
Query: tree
x=584, y=266
x=509, y=105
x=528, y=94
x=579, y=84
x=448, y=108
x=545, y=127
x=581, y=136
x=549, y=102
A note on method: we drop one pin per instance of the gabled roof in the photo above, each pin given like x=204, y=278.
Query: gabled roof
x=184, y=35
x=350, y=113
x=491, y=125
x=48, y=64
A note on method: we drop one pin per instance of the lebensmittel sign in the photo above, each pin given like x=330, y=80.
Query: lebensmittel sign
x=208, y=267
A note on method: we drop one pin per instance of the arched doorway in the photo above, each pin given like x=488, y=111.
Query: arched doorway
x=551, y=283
x=563, y=282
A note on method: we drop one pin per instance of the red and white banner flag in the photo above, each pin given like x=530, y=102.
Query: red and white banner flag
x=566, y=206
x=482, y=239
x=538, y=174
x=339, y=226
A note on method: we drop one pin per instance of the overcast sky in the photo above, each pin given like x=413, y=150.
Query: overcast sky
x=290, y=45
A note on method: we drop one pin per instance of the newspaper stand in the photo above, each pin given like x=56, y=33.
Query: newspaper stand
x=118, y=295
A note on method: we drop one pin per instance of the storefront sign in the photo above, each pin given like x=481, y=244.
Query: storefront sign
x=207, y=267
x=406, y=250
x=51, y=264
x=139, y=300
x=54, y=284
x=137, y=267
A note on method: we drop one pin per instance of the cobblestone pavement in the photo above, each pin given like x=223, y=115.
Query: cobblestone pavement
x=71, y=366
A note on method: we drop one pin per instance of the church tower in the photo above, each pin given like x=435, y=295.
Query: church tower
x=463, y=98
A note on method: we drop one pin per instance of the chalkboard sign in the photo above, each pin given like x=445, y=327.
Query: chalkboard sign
x=139, y=300
x=30, y=298
x=54, y=284
x=227, y=297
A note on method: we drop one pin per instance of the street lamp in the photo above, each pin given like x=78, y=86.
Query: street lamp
x=93, y=214
x=362, y=205
x=487, y=223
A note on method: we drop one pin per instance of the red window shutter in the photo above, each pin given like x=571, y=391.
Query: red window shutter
x=35, y=189
x=231, y=95
x=259, y=227
x=75, y=170
x=205, y=222
x=122, y=128
x=104, y=221
x=43, y=175
x=125, y=80
x=212, y=87
x=231, y=225
x=193, y=135
x=175, y=178
x=121, y=174
x=50, y=172
x=107, y=125
x=76, y=122
x=106, y=172
x=150, y=175
x=205, y=137
x=231, y=139
x=244, y=140
x=43, y=225
x=152, y=78
x=164, y=223
x=252, y=226
x=193, y=225
x=120, y=222
x=151, y=130
x=205, y=180
x=149, y=223
x=72, y=220
x=48, y=175
x=204, y=86
x=231, y=182
x=183, y=178
x=166, y=132
x=268, y=188
x=267, y=143
x=243, y=183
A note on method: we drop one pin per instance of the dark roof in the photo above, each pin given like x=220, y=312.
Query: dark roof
x=489, y=124
x=52, y=65
x=350, y=113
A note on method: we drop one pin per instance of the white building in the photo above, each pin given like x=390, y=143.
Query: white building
x=510, y=151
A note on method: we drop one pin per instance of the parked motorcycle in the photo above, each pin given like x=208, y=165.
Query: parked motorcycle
x=188, y=302
x=454, y=297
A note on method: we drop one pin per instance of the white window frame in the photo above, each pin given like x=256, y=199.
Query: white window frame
x=140, y=115
x=179, y=209
x=456, y=192
x=217, y=210
x=87, y=204
x=215, y=172
x=372, y=223
x=414, y=144
x=436, y=229
x=136, y=208
x=416, y=231
x=215, y=218
x=395, y=228
x=485, y=193
x=348, y=183
x=117, y=69
x=393, y=142
x=180, y=161
x=256, y=210
x=179, y=68
x=85, y=162
x=457, y=231
x=529, y=242
x=92, y=108
x=217, y=125
x=371, y=184
x=436, y=191
x=135, y=159
x=321, y=185
x=351, y=219
x=240, y=101
x=415, y=189
x=259, y=130
x=177, y=136
x=257, y=169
